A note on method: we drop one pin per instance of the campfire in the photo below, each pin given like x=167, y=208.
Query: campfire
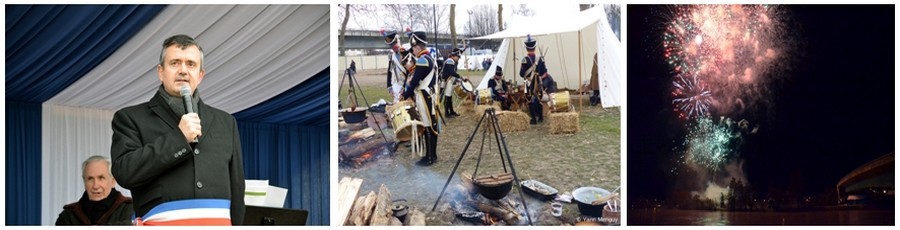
x=360, y=145
x=485, y=201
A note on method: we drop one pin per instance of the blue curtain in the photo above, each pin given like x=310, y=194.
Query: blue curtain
x=285, y=140
x=23, y=163
x=304, y=104
x=49, y=47
x=292, y=157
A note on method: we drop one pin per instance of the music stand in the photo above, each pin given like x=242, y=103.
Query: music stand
x=258, y=215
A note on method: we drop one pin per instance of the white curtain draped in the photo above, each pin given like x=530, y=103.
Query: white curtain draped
x=70, y=135
x=252, y=53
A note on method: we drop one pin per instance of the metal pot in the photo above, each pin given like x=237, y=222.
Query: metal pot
x=585, y=196
x=400, y=212
x=354, y=115
x=495, y=186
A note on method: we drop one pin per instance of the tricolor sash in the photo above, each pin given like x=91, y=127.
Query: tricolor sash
x=189, y=212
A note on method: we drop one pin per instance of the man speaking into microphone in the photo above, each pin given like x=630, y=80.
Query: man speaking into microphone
x=180, y=158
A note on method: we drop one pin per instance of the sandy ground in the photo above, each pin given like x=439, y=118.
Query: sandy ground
x=568, y=161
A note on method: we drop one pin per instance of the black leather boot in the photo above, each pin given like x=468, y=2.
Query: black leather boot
x=431, y=146
x=448, y=107
x=433, y=149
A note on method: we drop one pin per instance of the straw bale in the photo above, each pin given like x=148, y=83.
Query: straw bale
x=466, y=107
x=513, y=121
x=479, y=110
x=564, y=122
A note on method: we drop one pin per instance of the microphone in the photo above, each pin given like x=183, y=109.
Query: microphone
x=188, y=104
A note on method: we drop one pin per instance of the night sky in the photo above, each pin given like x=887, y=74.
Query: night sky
x=833, y=112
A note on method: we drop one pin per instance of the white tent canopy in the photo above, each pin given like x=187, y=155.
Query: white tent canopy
x=568, y=45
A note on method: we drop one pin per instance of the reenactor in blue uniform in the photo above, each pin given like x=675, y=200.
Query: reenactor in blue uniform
x=396, y=75
x=533, y=68
x=449, y=77
x=498, y=89
x=420, y=88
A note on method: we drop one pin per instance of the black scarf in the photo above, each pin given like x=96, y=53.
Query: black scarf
x=95, y=209
x=176, y=103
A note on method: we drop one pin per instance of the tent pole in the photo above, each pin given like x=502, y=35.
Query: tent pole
x=513, y=61
x=580, y=108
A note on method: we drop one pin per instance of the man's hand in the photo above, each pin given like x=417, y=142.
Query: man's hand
x=190, y=126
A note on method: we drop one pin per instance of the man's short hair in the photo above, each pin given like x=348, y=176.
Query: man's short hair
x=96, y=158
x=181, y=41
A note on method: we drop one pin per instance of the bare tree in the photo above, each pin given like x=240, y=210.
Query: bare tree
x=439, y=16
x=352, y=13
x=346, y=16
x=453, y=24
x=523, y=10
x=583, y=7
x=499, y=17
x=481, y=21
x=406, y=16
x=422, y=17
x=614, y=15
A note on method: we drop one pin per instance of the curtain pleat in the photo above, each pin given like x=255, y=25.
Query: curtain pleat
x=51, y=46
x=23, y=163
x=292, y=157
x=304, y=104
x=70, y=135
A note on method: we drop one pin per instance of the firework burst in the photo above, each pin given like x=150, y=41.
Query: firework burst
x=692, y=97
x=729, y=48
x=712, y=144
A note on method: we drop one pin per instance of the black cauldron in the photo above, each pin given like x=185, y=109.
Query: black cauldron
x=354, y=115
x=494, y=186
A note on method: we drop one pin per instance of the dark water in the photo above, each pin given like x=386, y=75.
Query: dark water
x=696, y=217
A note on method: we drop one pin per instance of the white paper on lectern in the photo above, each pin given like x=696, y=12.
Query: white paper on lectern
x=275, y=197
x=255, y=192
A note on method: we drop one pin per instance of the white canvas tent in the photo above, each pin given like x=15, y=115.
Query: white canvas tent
x=569, y=45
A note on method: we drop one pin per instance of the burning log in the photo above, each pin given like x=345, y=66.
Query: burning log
x=361, y=134
x=362, y=151
x=467, y=185
x=510, y=217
